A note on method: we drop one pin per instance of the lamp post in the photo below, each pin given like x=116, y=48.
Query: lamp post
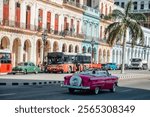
x=44, y=38
x=144, y=52
x=92, y=44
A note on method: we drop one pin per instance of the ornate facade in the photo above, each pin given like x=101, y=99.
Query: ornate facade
x=23, y=21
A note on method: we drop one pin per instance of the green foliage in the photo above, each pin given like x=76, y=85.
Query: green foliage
x=125, y=20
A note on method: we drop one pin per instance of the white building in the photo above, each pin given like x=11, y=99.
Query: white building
x=137, y=51
x=23, y=21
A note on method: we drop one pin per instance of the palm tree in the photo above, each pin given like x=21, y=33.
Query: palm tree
x=117, y=31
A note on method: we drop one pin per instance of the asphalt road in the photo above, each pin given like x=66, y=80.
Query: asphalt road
x=133, y=89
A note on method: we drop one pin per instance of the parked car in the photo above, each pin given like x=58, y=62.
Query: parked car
x=26, y=67
x=112, y=66
x=126, y=66
x=93, y=80
x=104, y=67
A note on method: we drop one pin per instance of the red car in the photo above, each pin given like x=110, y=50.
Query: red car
x=93, y=80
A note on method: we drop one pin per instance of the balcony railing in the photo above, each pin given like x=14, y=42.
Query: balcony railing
x=24, y=26
x=75, y=4
x=141, y=11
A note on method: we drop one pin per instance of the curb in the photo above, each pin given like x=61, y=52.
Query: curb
x=35, y=83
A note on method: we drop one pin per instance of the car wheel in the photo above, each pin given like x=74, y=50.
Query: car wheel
x=35, y=71
x=14, y=73
x=96, y=90
x=71, y=91
x=25, y=72
x=113, y=88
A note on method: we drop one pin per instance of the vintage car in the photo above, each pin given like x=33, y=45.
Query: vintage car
x=94, y=80
x=26, y=67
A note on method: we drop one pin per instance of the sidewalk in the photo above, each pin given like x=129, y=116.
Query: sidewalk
x=47, y=79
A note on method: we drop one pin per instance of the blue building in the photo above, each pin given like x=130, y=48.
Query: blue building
x=90, y=28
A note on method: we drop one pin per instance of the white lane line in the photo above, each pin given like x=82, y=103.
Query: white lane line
x=8, y=94
x=127, y=90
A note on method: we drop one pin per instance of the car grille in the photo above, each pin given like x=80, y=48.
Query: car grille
x=135, y=64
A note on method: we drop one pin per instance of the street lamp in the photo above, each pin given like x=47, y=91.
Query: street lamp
x=92, y=53
x=44, y=38
x=144, y=52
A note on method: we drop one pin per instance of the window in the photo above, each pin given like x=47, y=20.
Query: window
x=142, y=4
x=117, y=3
x=56, y=22
x=122, y=4
x=28, y=13
x=78, y=26
x=72, y=26
x=105, y=9
x=135, y=5
x=48, y=21
x=149, y=5
x=101, y=8
x=17, y=18
x=40, y=20
x=66, y=26
x=5, y=12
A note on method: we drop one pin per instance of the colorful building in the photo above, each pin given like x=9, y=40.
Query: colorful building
x=90, y=29
x=22, y=23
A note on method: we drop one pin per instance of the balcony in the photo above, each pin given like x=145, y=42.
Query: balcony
x=141, y=11
x=92, y=11
x=19, y=27
x=89, y=38
x=72, y=4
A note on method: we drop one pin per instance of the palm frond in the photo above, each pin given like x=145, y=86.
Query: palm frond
x=137, y=17
x=115, y=35
x=128, y=8
x=117, y=14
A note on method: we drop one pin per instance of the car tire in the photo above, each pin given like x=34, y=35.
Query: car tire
x=96, y=90
x=71, y=91
x=25, y=72
x=14, y=73
x=35, y=71
x=113, y=88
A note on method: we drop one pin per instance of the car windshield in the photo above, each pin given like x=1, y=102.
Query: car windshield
x=136, y=60
x=22, y=64
x=94, y=72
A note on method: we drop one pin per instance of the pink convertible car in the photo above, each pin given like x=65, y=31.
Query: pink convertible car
x=93, y=80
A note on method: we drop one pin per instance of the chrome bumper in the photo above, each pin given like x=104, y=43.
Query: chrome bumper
x=74, y=87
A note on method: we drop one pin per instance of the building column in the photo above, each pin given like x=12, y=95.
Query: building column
x=44, y=19
x=23, y=15
x=12, y=12
x=33, y=16
x=1, y=11
x=21, y=51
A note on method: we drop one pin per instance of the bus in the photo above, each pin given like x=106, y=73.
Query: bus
x=69, y=62
x=5, y=62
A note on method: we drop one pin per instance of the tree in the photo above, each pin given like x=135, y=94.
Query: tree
x=125, y=20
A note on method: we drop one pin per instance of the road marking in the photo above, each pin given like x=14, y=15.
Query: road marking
x=127, y=90
x=7, y=94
